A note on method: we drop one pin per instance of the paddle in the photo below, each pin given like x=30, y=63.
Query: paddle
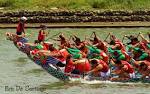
x=107, y=37
x=92, y=35
x=138, y=34
x=51, y=37
x=123, y=38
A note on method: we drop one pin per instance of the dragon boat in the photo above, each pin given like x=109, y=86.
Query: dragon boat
x=22, y=44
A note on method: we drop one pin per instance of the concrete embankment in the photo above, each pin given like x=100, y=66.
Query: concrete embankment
x=75, y=16
x=78, y=18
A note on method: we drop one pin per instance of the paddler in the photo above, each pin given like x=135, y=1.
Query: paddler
x=61, y=55
x=133, y=40
x=94, y=52
x=42, y=34
x=123, y=69
x=78, y=42
x=79, y=66
x=89, y=51
x=21, y=26
x=64, y=43
x=143, y=68
x=99, y=69
x=99, y=44
x=95, y=40
x=116, y=43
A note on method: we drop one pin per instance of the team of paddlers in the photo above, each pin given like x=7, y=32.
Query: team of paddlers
x=92, y=56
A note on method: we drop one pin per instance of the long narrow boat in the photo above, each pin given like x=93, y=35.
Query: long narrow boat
x=22, y=44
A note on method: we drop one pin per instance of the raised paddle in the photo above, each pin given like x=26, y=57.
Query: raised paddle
x=51, y=37
x=92, y=34
x=107, y=36
x=123, y=38
x=138, y=34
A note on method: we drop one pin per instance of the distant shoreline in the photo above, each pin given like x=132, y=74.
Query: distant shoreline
x=82, y=25
x=65, y=16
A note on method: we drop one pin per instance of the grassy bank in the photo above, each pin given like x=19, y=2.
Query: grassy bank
x=74, y=4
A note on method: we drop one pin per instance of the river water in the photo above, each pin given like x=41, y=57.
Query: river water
x=19, y=75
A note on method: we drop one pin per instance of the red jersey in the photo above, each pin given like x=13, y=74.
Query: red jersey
x=64, y=53
x=130, y=67
x=104, y=56
x=83, y=67
x=105, y=66
x=143, y=45
x=69, y=66
x=41, y=35
x=20, y=27
x=121, y=46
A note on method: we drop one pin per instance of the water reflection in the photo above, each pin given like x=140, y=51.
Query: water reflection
x=35, y=71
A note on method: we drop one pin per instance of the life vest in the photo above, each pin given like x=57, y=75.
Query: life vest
x=117, y=54
x=41, y=37
x=76, y=53
x=127, y=57
x=83, y=67
x=130, y=67
x=20, y=27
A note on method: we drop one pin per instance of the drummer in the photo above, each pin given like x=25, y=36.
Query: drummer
x=42, y=34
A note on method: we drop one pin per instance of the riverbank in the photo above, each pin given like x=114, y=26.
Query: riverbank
x=65, y=16
x=83, y=25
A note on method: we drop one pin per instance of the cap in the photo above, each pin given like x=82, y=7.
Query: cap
x=23, y=18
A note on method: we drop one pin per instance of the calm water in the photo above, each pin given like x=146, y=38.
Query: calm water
x=19, y=75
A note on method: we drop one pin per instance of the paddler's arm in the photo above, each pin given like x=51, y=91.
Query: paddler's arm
x=143, y=38
x=79, y=61
x=115, y=46
x=44, y=51
x=136, y=45
x=124, y=68
x=99, y=67
x=112, y=62
x=96, y=45
x=78, y=46
x=48, y=53
x=31, y=44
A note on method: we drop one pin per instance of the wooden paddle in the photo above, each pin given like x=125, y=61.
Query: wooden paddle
x=123, y=38
x=107, y=37
x=51, y=37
